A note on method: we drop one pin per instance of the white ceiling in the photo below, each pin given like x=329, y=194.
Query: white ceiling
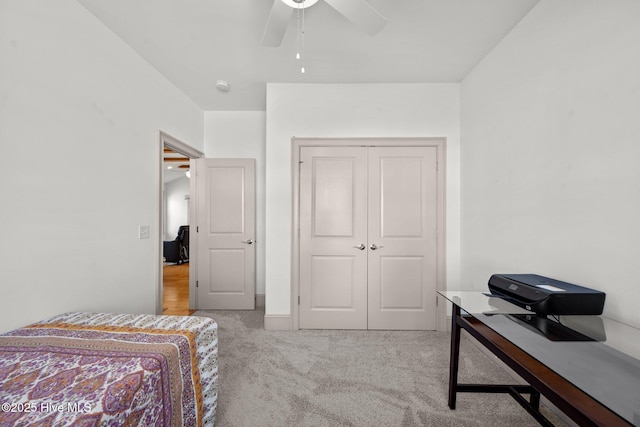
x=194, y=43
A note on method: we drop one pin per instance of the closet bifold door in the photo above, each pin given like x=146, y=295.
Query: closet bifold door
x=368, y=237
x=333, y=238
x=402, y=234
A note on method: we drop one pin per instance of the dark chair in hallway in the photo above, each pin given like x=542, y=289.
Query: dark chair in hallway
x=177, y=250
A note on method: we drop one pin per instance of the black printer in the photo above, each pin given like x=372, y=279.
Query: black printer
x=544, y=295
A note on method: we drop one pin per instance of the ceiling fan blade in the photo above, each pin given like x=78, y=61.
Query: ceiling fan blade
x=361, y=14
x=277, y=24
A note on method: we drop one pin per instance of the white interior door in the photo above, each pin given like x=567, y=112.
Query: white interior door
x=402, y=221
x=368, y=237
x=333, y=238
x=225, y=226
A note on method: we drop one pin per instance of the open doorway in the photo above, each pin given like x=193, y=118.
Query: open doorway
x=175, y=270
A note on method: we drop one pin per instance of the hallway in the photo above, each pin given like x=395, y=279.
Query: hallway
x=175, y=296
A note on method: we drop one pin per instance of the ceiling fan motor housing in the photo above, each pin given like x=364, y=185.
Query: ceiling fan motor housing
x=299, y=4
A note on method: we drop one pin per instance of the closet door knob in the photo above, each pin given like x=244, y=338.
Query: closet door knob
x=373, y=247
x=362, y=247
x=248, y=242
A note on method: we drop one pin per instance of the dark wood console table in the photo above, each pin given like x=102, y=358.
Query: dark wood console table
x=517, y=337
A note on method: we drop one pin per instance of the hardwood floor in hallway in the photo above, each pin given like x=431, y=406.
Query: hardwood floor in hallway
x=175, y=295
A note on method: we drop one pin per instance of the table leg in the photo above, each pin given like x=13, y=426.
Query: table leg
x=534, y=400
x=454, y=356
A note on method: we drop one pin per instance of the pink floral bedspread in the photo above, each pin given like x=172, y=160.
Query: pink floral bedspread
x=90, y=369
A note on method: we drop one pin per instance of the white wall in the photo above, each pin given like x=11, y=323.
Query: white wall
x=177, y=209
x=550, y=152
x=79, y=119
x=349, y=110
x=241, y=134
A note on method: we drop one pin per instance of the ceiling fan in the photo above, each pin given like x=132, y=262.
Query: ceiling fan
x=359, y=12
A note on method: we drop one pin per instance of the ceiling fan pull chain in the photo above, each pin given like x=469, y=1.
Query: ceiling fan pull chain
x=302, y=39
x=298, y=33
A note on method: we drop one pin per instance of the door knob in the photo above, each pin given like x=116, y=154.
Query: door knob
x=248, y=242
x=362, y=247
x=373, y=247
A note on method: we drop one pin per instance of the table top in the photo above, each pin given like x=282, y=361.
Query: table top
x=598, y=355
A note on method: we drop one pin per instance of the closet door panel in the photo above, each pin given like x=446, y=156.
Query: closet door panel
x=402, y=233
x=333, y=238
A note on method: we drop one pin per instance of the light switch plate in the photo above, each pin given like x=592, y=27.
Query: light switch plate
x=143, y=232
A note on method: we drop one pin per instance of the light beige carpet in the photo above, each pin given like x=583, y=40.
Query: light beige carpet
x=350, y=378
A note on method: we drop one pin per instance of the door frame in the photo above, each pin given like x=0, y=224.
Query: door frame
x=438, y=142
x=168, y=141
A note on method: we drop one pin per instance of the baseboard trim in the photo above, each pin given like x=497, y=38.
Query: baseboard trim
x=259, y=300
x=277, y=322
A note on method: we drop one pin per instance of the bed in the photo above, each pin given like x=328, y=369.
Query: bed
x=90, y=369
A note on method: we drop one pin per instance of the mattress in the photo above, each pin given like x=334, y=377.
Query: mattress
x=90, y=369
